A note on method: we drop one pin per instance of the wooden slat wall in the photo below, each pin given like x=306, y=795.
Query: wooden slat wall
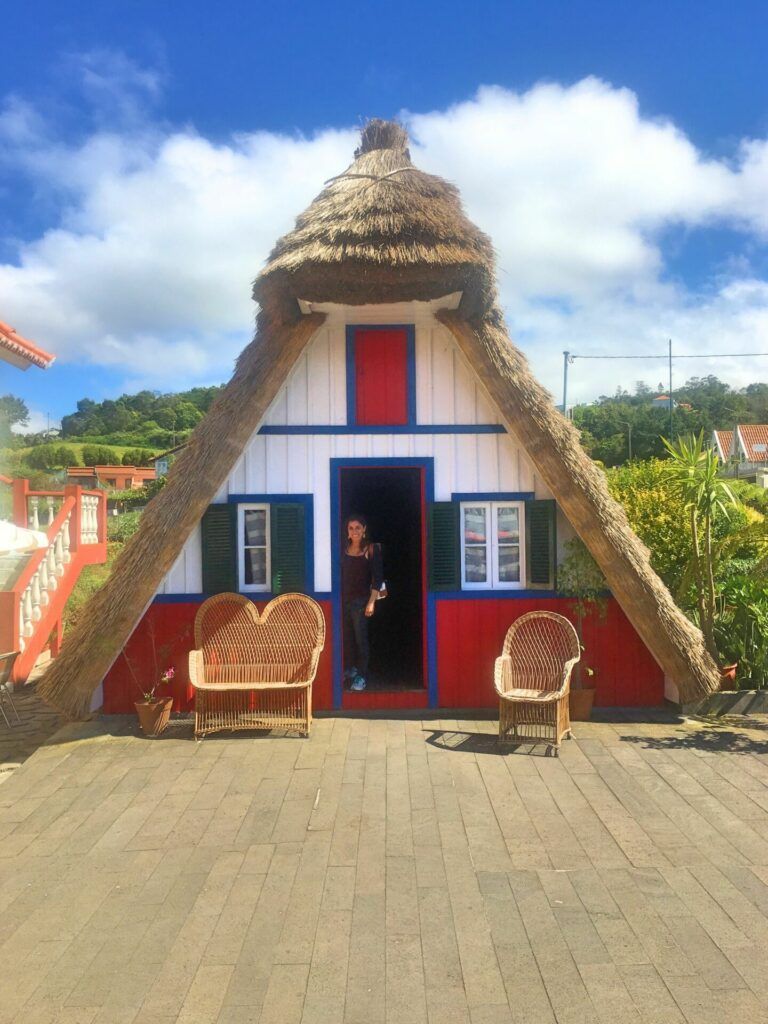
x=315, y=393
x=470, y=634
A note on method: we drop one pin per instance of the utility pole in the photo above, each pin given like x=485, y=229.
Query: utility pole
x=628, y=425
x=671, y=403
x=566, y=360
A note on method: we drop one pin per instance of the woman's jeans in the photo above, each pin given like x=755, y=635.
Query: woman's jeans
x=356, y=648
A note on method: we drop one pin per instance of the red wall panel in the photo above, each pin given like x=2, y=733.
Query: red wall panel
x=381, y=377
x=164, y=638
x=470, y=634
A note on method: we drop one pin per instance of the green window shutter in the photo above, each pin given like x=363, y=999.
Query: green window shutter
x=541, y=543
x=219, y=549
x=444, y=567
x=288, y=536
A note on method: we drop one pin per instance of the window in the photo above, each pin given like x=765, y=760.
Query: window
x=253, y=534
x=492, y=550
x=257, y=545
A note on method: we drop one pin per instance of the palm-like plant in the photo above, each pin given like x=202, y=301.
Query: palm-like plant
x=693, y=472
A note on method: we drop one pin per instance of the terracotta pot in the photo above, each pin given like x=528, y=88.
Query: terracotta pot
x=580, y=703
x=728, y=672
x=154, y=716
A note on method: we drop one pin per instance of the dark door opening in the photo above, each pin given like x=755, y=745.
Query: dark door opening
x=390, y=499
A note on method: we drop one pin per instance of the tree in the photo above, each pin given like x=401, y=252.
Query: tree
x=693, y=474
x=656, y=514
x=13, y=411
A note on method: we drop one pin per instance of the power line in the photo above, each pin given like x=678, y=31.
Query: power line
x=569, y=357
x=665, y=355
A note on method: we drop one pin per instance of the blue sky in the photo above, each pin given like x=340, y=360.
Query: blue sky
x=151, y=153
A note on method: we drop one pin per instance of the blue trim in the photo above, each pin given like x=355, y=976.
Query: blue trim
x=351, y=389
x=502, y=594
x=337, y=464
x=308, y=501
x=493, y=496
x=393, y=428
x=410, y=339
x=318, y=595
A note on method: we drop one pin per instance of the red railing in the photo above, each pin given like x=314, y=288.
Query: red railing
x=31, y=611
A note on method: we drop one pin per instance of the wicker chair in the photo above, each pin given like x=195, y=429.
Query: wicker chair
x=6, y=692
x=533, y=679
x=254, y=671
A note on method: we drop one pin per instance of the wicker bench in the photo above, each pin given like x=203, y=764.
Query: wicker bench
x=254, y=671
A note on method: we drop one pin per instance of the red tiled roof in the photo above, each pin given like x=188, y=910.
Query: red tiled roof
x=724, y=441
x=754, y=438
x=24, y=353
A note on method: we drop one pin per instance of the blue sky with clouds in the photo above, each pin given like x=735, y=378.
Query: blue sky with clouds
x=151, y=153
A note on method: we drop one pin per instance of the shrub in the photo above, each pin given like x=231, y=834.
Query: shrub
x=137, y=457
x=52, y=456
x=121, y=528
x=99, y=455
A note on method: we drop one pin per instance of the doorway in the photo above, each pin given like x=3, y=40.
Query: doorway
x=391, y=500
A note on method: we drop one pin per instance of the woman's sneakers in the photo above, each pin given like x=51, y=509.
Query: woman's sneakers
x=358, y=682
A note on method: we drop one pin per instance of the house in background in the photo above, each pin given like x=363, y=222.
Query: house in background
x=20, y=352
x=382, y=381
x=113, y=478
x=163, y=462
x=744, y=451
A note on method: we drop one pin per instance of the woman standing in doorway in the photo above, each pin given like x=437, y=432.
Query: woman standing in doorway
x=361, y=581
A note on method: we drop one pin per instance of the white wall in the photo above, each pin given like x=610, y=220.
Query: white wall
x=315, y=393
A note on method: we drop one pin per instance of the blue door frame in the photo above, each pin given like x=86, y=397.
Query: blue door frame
x=427, y=466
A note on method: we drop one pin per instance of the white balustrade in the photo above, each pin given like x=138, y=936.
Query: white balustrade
x=50, y=560
x=34, y=586
x=26, y=610
x=65, y=542
x=89, y=519
x=40, y=519
x=33, y=513
x=44, y=577
x=37, y=593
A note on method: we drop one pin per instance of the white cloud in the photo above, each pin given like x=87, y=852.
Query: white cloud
x=161, y=231
x=36, y=423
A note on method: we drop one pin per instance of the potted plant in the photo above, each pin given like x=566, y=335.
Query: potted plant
x=154, y=712
x=579, y=578
x=741, y=632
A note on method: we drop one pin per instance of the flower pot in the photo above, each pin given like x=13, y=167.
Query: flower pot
x=154, y=716
x=727, y=673
x=580, y=703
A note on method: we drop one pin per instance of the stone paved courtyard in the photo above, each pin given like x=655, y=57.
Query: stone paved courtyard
x=36, y=722
x=387, y=870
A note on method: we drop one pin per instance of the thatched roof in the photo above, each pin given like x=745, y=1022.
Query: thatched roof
x=382, y=231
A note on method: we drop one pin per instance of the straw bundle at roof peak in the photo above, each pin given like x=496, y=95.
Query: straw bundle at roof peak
x=379, y=134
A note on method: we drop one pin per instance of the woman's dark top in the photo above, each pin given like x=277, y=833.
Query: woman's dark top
x=360, y=574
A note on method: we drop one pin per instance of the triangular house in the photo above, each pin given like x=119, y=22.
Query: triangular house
x=381, y=379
